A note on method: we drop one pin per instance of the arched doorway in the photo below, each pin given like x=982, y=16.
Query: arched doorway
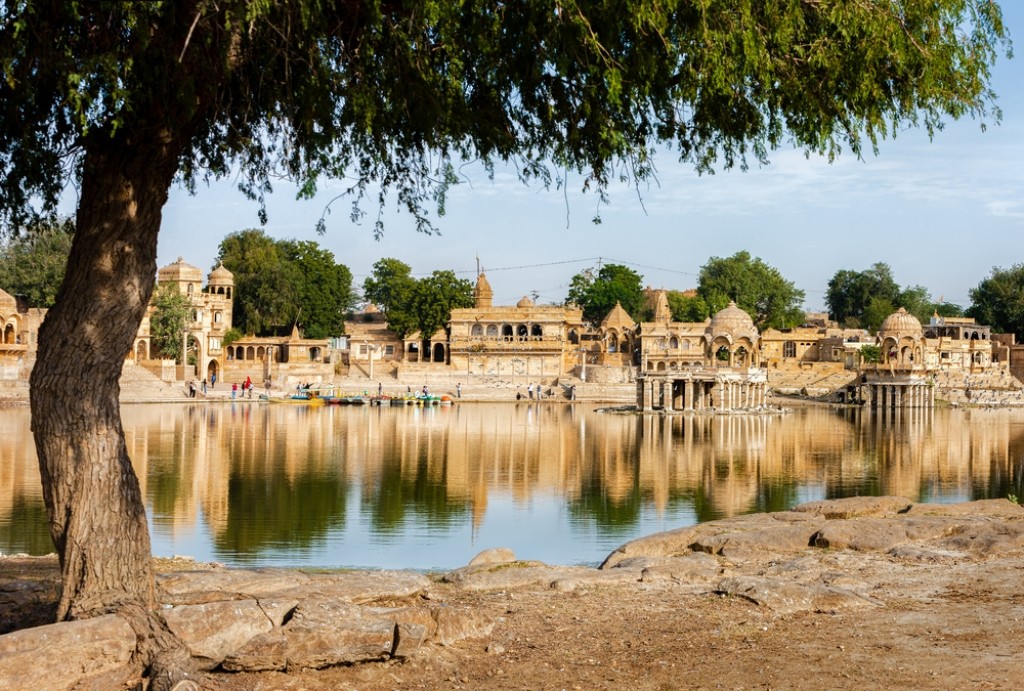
x=438, y=355
x=212, y=372
x=194, y=352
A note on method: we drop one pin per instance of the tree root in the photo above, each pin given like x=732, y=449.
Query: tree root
x=160, y=656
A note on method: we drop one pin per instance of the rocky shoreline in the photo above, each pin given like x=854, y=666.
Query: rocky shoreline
x=861, y=559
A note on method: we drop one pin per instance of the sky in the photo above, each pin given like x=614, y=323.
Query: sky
x=941, y=213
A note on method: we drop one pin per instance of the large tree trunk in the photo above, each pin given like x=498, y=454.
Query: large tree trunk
x=97, y=516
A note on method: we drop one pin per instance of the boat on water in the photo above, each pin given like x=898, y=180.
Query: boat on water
x=307, y=396
x=422, y=401
x=297, y=399
x=349, y=400
x=325, y=396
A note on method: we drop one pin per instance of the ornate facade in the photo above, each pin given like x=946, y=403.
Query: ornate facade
x=714, y=364
x=212, y=307
x=527, y=340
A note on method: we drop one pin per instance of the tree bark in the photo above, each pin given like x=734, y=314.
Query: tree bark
x=92, y=495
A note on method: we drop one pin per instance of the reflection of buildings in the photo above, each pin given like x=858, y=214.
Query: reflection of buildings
x=261, y=477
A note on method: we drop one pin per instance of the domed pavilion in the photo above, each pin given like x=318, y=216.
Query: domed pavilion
x=710, y=366
x=900, y=380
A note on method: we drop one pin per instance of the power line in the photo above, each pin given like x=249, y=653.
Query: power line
x=504, y=268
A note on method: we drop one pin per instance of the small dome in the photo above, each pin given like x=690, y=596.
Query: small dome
x=8, y=305
x=525, y=302
x=221, y=275
x=180, y=271
x=732, y=321
x=901, y=323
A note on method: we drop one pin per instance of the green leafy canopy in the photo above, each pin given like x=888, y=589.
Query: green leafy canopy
x=393, y=96
x=32, y=264
x=168, y=323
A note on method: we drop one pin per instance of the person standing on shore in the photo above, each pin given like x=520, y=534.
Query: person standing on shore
x=458, y=390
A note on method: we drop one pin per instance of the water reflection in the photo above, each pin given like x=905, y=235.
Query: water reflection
x=425, y=488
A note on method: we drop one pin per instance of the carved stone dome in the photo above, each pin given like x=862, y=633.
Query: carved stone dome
x=221, y=276
x=901, y=323
x=732, y=321
x=525, y=302
x=181, y=272
x=8, y=305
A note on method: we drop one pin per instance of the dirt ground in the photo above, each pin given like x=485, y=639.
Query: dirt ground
x=937, y=626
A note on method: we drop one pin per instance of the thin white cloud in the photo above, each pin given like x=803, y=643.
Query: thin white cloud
x=1006, y=209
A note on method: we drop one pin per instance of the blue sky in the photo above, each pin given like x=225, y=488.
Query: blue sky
x=941, y=213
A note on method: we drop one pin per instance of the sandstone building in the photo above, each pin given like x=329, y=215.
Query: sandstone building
x=698, y=366
x=19, y=335
x=527, y=341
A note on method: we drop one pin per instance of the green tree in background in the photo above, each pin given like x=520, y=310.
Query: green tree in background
x=173, y=311
x=687, y=308
x=32, y=264
x=755, y=287
x=998, y=301
x=850, y=293
x=877, y=309
x=596, y=294
x=323, y=291
x=389, y=286
x=409, y=304
x=949, y=309
x=266, y=282
x=282, y=283
x=433, y=298
x=863, y=299
x=124, y=98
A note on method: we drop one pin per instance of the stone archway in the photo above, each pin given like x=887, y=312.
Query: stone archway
x=193, y=351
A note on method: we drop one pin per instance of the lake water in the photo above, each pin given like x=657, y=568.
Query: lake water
x=249, y=484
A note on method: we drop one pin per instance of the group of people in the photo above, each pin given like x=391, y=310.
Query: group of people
x=246, y=388
x=193, y=388
x=532, y=390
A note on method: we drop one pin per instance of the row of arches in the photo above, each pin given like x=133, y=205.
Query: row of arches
x=271, y=353
x=191, y=289
x=508, y=332
x=720, y=353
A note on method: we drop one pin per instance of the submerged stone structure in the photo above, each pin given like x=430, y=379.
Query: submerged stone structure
x=900, y=380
